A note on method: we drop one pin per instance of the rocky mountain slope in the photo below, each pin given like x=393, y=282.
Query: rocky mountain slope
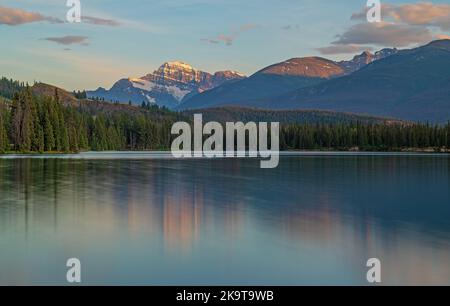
x=364, y=59
x=168, y=86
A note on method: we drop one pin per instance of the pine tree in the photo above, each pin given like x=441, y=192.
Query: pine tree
x=22, y=122
x=49, y=136
x=4, y=142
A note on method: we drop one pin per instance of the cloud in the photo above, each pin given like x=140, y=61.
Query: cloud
x=246, y=27
x=442, y=36
x=402, y=26
x=228, y=39
x=423, y=13
x=13, y=17
x=343, y=49
x=69, y=40
x=384, y=34
x=362, y=15
x=100, y=21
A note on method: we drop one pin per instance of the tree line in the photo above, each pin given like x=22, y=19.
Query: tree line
x=376, y=137
x=9, y=87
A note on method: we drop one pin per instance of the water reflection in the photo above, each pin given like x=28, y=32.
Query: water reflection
x=313, y=220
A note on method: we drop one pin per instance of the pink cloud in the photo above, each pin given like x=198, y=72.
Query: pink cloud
x=12, y=17
x=423, y=13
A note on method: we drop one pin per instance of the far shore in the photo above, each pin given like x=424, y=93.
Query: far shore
x=349, y=150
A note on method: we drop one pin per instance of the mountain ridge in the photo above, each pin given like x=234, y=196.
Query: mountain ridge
x=167, y=86
x=385, y=88
x=280, y=78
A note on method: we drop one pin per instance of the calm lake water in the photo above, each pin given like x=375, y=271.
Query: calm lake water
x=151, y=220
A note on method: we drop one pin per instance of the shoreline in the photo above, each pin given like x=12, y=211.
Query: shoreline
x=110, y=155
x=429, y=150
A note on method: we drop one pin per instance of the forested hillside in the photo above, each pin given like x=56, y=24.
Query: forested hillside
x=31, y=123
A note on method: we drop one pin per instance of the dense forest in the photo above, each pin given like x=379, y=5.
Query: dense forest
x=242, y=114
x=364, y=137
x=30, y=123
x=9, y=87
x=43, y=123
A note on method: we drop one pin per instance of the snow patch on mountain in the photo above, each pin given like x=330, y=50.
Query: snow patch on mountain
x=142, y=84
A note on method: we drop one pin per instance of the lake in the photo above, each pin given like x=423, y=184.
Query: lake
x=147, y=219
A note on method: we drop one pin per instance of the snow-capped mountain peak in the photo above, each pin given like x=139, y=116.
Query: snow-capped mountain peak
x=178, y=65
x=167, y=86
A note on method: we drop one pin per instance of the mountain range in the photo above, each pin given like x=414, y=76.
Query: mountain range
x=168, y=86
x=281, y=78
x=174, y=83
x=410, y=84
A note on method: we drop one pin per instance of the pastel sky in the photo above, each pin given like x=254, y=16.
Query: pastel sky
x=130, y=38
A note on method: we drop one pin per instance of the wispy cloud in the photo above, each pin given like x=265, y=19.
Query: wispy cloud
x=384, y=34
x=69, y=40
x=229, y=38
x=100, y=21
x=13, y=17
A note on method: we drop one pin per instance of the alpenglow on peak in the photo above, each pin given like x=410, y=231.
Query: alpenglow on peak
x=169, y=85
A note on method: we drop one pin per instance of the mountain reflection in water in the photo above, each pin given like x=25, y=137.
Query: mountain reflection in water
x=313, y=220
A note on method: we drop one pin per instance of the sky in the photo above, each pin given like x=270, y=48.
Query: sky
x=119, y=39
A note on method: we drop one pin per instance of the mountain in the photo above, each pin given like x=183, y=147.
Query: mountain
x=309, y=67
x=65, y=97
x=281, y=78
x=412, y=84
x=364, y=59
x=270, y=81
x=168, y=86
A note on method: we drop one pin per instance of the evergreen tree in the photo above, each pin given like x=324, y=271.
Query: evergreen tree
x=4, y=141
x=49, y=135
